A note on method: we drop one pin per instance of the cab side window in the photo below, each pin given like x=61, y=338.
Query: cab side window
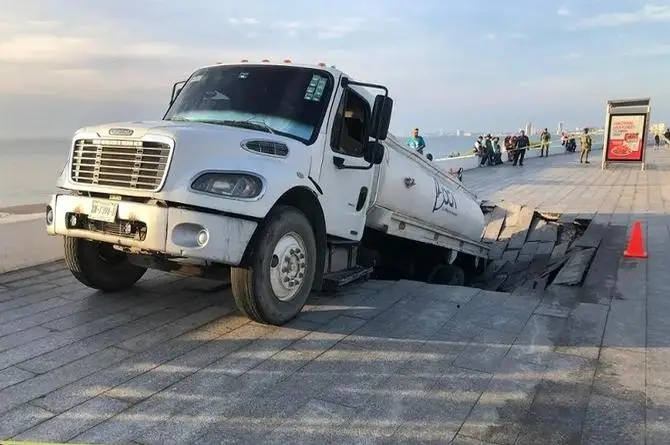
x=350, y=128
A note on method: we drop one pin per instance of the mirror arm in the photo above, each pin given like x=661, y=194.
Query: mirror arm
x=339, y=164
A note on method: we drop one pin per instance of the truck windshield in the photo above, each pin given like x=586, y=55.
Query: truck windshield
x=286, y=100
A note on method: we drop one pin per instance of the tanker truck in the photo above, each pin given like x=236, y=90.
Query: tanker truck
x=280, y=177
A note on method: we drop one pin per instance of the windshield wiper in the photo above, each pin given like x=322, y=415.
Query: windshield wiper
x=251, y=125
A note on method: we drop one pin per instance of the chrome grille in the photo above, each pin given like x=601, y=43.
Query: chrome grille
x=133, y=164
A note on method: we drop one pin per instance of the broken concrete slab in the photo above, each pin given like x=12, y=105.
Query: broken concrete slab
x=523, y=224
x=542, y=230
x=529, y=248
x=559, y=252
x=592, y=236
x=495, y=224
x=572, y=272
x=510, y=255
x=545, y=247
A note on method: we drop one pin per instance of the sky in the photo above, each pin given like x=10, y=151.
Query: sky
x=476, y=65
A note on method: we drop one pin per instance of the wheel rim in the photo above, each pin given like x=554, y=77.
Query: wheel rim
x=288, y=266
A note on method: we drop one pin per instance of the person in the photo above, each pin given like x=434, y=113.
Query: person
x=545, y=138
x=509, y=147
x=488, y=144
x=497, y=153
x=585, y=146
x=522, y=142
x=416, y=141
x=480, y=150
x=666, y=135
x=564, y=140
x=657, y=141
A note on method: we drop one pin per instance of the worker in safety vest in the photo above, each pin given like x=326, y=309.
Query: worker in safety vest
x=585, y=143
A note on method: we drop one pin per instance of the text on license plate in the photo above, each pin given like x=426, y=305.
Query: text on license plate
x=103, y=211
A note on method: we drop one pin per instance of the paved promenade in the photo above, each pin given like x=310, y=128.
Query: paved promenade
x=171, y=361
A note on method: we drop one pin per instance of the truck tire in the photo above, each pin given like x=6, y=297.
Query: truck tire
x=276, y=284
x=100, y=266
x=447, y=274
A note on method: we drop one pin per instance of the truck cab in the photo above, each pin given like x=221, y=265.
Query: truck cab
x=252, y=168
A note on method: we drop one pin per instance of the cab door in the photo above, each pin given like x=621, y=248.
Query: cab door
x=346, y=192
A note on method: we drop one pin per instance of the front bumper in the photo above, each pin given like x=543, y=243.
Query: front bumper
x=154, y=229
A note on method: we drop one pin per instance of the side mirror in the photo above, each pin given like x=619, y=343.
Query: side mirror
x=374, y=153
x=381, y=117
x=176, y=89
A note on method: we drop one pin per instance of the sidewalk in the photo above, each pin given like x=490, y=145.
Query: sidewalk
x=171, y=361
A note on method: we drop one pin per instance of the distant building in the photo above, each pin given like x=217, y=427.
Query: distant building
x=529, y=129
x=560, y=128
x=459, y=133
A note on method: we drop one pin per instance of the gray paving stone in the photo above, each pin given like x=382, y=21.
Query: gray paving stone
x=21, y=418
x=43, y=384
x=559, y=251
x=498, y=415
x=600, y=280
x=584, y=330
x=19, y=338
x=110, y=334
x=631, y=280
x=545, y=248
x=626, y=325
x=510, y=255
x=658, y=413
x=174, y=329
x=530, y=248
x=572, y=272
x=557, y=413
x=192, y=348
x=658, y=366
x=65, y=426
x=12, y=376
x=621, y=374
x=532, y=350
x=485, y=352
x=609, y=420
x=241, y=357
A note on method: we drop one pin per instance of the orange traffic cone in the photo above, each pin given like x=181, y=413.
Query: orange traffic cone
x=635, y=247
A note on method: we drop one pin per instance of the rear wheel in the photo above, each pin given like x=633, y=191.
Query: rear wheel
x=449, y=274
x=100, y=266
x=276, y=284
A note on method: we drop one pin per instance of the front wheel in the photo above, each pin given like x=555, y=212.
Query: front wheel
x=100, y=266
x=275, y=286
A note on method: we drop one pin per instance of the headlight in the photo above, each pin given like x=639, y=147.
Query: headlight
x=234, y=185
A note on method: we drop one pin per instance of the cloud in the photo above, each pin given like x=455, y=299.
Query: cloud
x=563, y=11
x=336, y=29
x=243, y=21
x=648, y=14
x=491, y=37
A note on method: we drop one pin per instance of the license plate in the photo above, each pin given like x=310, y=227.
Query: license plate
x=103, y=211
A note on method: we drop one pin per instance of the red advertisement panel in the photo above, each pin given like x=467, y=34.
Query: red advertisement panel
x=625, y=140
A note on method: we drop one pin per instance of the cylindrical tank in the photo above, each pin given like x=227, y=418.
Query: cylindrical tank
x=408, y=184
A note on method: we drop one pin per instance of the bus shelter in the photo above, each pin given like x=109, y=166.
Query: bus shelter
x=626, y=127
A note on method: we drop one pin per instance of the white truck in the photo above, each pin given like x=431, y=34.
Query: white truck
x=281, y=175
